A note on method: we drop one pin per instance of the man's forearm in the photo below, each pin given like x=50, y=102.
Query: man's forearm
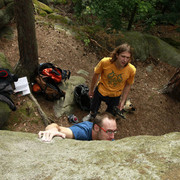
x=52, y=126
x=64, y=130
x=126, y=92
x=94, y=81
x=124, y=95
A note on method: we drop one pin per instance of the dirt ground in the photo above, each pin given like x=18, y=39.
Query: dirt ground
x=156, y=113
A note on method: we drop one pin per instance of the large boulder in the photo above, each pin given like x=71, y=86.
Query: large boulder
x=4, y=108
x=45, y=2
x=24, y=156
x=4, y=62
x=4, y=113
x=6, y=14
x=146, y=45
x=67, y=105
x=2, y=3
x=58, y=18
x=41, y=6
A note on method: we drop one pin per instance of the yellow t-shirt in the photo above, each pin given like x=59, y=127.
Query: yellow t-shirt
x=113, y=80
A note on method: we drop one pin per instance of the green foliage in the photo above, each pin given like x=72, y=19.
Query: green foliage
x=86, y=42
x=60, y=2
x=111, y=13
x=58, y=18
x=85, y=33
x=115, y=14
x=168, y=12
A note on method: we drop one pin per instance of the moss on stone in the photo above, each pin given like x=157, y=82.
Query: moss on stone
x=59, y=18
x=42, y=6
x=15, y=118
x=60, y=1
x=4, y=113
x=146, y=45
x=42, y=12
x=3, y=62
x=172, y=42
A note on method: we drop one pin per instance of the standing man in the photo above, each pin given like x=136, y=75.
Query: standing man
x=116, y=75
x=103, y=128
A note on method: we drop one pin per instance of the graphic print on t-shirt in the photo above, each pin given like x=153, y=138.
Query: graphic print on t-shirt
x=114, y=79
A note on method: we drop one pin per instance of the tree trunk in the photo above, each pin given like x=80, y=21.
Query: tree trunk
x=173, y=86
x=132, y=17
x=28, y=62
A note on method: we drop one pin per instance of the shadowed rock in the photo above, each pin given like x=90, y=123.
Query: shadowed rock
x=146, y=45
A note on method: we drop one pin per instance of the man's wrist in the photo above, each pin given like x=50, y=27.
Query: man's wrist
x=53, y=127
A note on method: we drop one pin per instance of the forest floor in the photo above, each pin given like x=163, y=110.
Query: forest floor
x=156, y=113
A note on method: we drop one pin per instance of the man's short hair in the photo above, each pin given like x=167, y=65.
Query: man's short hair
x=99, y=118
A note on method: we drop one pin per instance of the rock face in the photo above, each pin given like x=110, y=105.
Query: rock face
x=146, y=45
x=4, y=62
x=4, y=108
x=24, y=156
x=6, y=13
x=67, y=105
x=4, y=113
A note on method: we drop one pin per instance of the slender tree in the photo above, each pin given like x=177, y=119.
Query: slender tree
x=24, y=15
x=133, y=13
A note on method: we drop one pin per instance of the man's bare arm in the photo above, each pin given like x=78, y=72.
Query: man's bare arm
x=53, y=130
x=94, y=81
x=124, y=96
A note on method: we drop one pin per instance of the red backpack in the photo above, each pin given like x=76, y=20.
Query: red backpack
x=48, y=79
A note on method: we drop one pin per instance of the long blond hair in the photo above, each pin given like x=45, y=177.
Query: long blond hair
x=118, y=50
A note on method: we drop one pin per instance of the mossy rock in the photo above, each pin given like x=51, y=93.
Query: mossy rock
x=4, y=113
x=60, y=2
x=58, y=18
x=146, y=45
x=172, y=42
x=41, y=22
x=6, y=15
x=42, y=12
x=26, y=111
x=39, y=5
x=3, y=62
x=45, y=1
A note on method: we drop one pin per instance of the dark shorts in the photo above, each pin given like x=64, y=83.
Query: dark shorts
x=98, y=97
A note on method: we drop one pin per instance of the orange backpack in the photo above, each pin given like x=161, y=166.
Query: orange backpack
x=48, y=79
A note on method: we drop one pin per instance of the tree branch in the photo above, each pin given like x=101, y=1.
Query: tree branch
x=99, y=45
x=45, y=119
